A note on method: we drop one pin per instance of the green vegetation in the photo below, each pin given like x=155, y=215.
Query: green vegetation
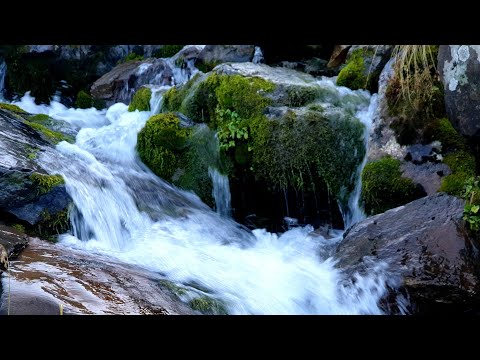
x=167, y=51
x=462, y=165
x=45, y=183
x=208, y=305
x=141, y=100
x=294, y=151
x=52, y=136
x=383, y=186
x=198, y=98
x=174, y=289
x=84, y=100
x=40, y=118
x=51, y=225
x=160, y=142
x=471, y=212
x=19, y=227
x=415, y=94
x=443, y=131
x=130, y=57
x=11, y=107
x=206, y=66
x=355, y=74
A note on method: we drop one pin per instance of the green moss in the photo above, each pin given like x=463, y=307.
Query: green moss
x=19, y=227
x=383, y=186
x=295, y=151
x=84, y=100
x=39, y=118
x=208, y=305
x=141, y=100
x=167, y=51
x=206, y=66
x=45, y=183
x=53, y=136
x=198, y=98
x=355, y=74
x=160, y=141
x=51, y=225
x=462, y=165
x=174, y=289
x=301, y=96
x=32, y=152
x=11, y=107
x=443, y=131
x=132, y=57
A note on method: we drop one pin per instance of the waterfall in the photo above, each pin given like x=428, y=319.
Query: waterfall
x=220, y=192
x=355, y=212
x=126, y=212
x=3, y=73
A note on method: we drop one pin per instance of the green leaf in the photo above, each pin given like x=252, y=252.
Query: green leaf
x=474, y=209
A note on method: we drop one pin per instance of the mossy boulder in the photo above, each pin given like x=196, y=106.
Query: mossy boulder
x=355, y=74
x=384, y=188
x=141, y=100
x=27, y=191
x=160, y=141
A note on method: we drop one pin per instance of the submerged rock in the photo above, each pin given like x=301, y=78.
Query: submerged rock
x=430, y=258
x=459, y=69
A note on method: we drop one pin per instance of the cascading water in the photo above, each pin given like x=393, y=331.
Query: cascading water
x=221, y=191
x=124, y=211
x=3, y=73
x=355, y=212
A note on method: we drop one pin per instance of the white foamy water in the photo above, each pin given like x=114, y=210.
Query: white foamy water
x=124, y=211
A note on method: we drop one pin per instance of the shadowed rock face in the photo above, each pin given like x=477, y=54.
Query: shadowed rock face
x=20, y=145
x=429, y=255
x=459, y=68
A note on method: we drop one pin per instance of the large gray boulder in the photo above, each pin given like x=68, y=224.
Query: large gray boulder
x=119, y=84
x=212, y=55
x=459, y=68
x=430, y=258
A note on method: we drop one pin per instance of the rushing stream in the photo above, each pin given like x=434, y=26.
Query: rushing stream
x=123, y=212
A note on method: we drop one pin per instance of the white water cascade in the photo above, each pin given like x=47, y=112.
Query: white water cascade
x=355, y=210
x=221, y=191
x=124, y=211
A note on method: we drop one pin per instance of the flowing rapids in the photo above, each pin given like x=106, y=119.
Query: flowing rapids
x=125, y=213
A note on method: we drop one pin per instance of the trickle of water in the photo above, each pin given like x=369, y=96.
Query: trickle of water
x=355, y=212
x=220, y=192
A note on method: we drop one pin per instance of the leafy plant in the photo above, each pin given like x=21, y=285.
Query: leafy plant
x=233, y=130
x=471, y=212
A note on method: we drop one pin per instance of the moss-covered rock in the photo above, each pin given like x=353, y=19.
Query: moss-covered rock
x=208, y=305
x=141, y=100
x=159, y=143
x=45, y=183
x=84, y=100
x=443, y=131
x=11, y=107
x=51, y=136
x=296, y=149
x=51, y=225
x=383, y=186
x=355, y=74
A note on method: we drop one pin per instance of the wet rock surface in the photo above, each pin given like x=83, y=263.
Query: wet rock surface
x=429, y=256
